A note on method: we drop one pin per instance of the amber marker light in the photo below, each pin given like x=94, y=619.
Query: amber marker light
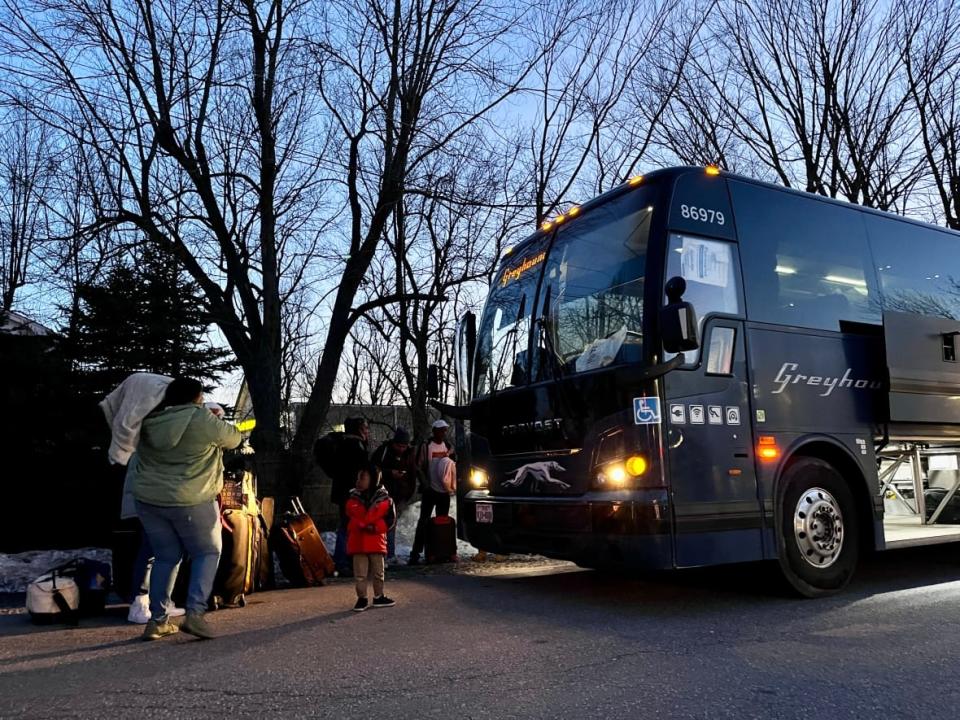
x=636, y=465
x=712, y=170
x=767, y=448
x=635, y=180
x=558, y=220
x=546, y=226
x=574, y=211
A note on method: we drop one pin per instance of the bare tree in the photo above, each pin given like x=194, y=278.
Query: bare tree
x=26, y=172
x=813, y=92
x=589, y=130
x=195, y=115
x=932, y=61
x=448, y=233
x=401, y=81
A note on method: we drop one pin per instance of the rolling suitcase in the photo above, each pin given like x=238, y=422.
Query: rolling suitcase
x=235, y=572
x=263, y=558
x=303, y=557
x=442, y=540
x=241, y=559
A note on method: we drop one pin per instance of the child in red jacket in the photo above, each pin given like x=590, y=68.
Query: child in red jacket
x=369, y=513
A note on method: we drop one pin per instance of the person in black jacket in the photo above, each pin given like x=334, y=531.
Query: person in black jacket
x=351, y=456
x=395, y=462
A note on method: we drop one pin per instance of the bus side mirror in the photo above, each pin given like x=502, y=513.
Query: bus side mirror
x=433, y=382
x=678, y=319
x=469, y=347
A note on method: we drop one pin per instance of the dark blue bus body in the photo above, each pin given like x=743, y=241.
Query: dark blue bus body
x=790, y=290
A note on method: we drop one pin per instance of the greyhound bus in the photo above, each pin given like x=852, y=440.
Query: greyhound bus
x=697, y=368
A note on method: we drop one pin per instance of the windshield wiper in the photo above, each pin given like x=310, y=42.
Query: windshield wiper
x=545, y=324
x=511, y=333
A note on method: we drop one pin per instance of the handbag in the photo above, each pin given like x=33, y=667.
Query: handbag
x=54, y=598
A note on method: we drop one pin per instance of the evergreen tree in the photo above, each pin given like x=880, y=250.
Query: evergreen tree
x=148, y=318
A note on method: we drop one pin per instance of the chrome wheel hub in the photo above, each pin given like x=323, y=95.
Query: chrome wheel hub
x=818, y=527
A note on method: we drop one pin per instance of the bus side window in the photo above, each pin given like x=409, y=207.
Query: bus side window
x=805, y=261
x=720, y=351
x=709, y=267
x=918, y=266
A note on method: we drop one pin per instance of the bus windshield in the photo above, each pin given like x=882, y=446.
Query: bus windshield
x=504, y=334
x=592, y=294
x=590, y=312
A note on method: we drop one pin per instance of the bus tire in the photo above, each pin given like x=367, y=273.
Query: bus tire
x=819, y=528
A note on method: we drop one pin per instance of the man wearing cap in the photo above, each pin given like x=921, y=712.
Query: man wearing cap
x=437, y=483
x=395, y=462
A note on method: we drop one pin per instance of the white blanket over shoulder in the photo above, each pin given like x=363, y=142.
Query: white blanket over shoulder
x=125, y=409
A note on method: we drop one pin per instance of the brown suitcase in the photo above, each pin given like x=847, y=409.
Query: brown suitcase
x=303, y=557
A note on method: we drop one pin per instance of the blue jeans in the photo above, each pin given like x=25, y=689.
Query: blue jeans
x=173, y=531
x=141, y=568
x=340, y=559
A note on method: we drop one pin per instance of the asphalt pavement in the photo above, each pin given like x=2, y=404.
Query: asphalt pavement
x=524, y=640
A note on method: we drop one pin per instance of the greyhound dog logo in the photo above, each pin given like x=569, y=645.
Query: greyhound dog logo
x=539, y=475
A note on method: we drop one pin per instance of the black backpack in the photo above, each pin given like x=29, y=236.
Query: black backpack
x=326, y=452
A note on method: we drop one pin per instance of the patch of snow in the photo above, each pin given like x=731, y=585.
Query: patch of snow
x=407, y=530
x=330, y=540
x=19, y=570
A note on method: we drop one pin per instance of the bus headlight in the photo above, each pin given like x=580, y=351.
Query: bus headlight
x=618, y=475
x=479, y=479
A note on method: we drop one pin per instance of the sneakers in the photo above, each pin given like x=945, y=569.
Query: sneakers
x=140, y=611
x=156, y=631
x=196, y=625
x=383, y=601
x=361, y=605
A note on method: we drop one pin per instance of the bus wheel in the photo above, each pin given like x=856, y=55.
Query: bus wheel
x=819, y=536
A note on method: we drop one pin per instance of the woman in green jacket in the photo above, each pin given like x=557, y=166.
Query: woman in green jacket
x=177, y=477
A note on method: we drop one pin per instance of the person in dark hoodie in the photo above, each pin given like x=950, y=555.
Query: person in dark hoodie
x=177, y=477
x=370, y=513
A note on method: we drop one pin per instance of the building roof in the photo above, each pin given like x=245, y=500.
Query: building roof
x=14, y=323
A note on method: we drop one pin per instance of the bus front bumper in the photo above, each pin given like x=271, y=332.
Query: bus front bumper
x=630, y=528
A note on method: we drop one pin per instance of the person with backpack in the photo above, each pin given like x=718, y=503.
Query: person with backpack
x=341, y=457
x=370, y=513
x=394, y=460
x=177, y=477
x=437, y=473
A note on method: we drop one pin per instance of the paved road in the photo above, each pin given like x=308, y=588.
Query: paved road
x=528, y=642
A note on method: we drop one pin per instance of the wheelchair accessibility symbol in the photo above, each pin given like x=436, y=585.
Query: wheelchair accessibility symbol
x=646, y=411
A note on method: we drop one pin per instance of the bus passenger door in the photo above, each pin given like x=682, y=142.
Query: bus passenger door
x=713, y=484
